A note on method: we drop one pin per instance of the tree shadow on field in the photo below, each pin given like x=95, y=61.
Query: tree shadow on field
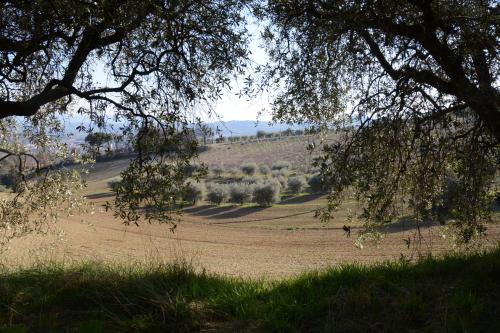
x=239, y=212
x=299, y=199
x=100, y=195
x=226, y=212
x=207, y=210
x=406, y=223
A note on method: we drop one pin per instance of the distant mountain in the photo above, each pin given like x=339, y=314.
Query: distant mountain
x=249, y=127
x=226, y=128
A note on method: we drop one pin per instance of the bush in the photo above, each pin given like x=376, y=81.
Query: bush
x=190, y=169
x=12, y=181
x=281, y=165
x=113, y=184
x=193, y=192
x=217, y=170
x=9, y=180
x=217, y=193
x=447, y=204
x=251, y=180
x=316, y=184
x=266, y=194
x=280, y=180
x=280, y=173
x=296, y=184
x=261, y=134
x=264, y=169
x=249, y=168
x=240, y=193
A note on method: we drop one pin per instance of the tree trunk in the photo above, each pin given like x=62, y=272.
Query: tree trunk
x=487, y=107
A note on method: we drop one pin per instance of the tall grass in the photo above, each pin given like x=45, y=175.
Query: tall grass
x=451, y=294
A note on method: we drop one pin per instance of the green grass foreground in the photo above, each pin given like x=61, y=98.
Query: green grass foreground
x=452, y=294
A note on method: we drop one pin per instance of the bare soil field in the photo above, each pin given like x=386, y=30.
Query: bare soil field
x=248, y=241
x=280, y=241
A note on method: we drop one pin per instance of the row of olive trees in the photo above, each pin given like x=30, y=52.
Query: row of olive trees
x=251, y=168
x=263, y=190
x=261, y=134
x=262, y=193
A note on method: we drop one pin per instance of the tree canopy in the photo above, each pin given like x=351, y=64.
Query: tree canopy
x=97, y=139
x=412, y=90
x=147, y=63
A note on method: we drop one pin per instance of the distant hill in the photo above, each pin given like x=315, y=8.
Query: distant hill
x=249, y=127
x=226, y=128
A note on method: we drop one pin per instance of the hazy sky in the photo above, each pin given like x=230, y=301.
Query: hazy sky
x=231, y=107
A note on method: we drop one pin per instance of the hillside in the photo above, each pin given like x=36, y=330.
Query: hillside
x=292, y=149
x=242, y=240
x=225, y=128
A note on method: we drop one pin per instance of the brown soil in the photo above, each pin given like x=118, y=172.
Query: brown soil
x=246, y=241
x=236, y=241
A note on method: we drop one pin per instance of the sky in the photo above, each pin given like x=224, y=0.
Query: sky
x=231, y=106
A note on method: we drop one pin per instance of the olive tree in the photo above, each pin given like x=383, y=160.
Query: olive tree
x=96, y=140
x=296, y=183
x=412, y=90
x=147, y=63
x=249, y=168
x=266, y=194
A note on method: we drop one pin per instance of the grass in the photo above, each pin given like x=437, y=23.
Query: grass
x=458, y=293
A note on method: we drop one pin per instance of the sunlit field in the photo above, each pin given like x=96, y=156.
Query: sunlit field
x=239, y=240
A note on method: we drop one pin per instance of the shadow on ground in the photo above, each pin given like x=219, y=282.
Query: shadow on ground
x=299, y=199
x=100, y=195
x=397, y=296
x=406, y=223
x=225, y=212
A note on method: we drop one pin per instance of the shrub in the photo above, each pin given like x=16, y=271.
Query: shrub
x=9, y=180
x=280, y=173
x=447, y=204
x=281, y=181
x=266, y=194
x=193, y=192
x=261, y=134
x=251, y=180
x=313, y=170
x=298, y=132
x=264, y=169
x=316, y=183
x=249, y=168
x=217, y=170
x=296, y=184
x=113, y=184
x=190, y=169
x=281, y=165
x=240, y=193
x=217, y=193
x=12, y=181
